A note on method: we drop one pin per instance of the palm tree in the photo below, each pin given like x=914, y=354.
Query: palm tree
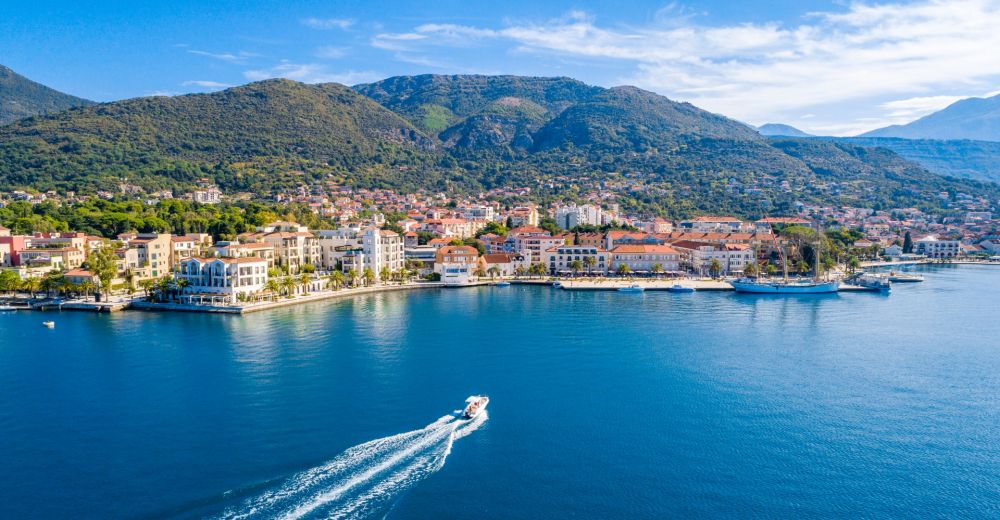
x=385, y=274
x=576, y=265
x=623, y=270
x=537, y=269
x=369, y=276
x=336, y=279
x=480, y=272
x=289, y=284
x=180, y=284
x=352, y=277
x=656, y=269
x=31, y=285
x=750, y=270
x=715, y=268
x=87, y=287
x=304, y=280
x=493, y=271
x=147, y=286
x=771, y=269
x=590, y=262
x=853, y=264
x=273, y=286
x=519, y=271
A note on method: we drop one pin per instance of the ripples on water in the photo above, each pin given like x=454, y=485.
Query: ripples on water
x=603, y=405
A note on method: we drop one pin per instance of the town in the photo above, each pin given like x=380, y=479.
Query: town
x=448, y=241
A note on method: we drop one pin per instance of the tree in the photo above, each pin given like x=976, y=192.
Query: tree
x=304, y=280
x=771, y=269
x=104, y=264
x=750, y=270
x=147, y=286
x=51, y=283
x=907, y=243
x=590, y=262
x=802, y=267
x=385, y=274
x=537, y=269
x=479, y=272
x=715, y=268
x=9, y=281
x=32, y=285
x=352, y=276
x=308, y=268
x=273, y=286
x=289, y=284
x=576, y=266
x=623, y=270
x=656, y=269
x=86, y=287
x=493, y=271
x=369, y=276
x=336, y=279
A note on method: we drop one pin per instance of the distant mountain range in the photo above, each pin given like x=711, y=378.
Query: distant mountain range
x=776, y=129
x=459, y=133
x=20, y=97
x=972, y=118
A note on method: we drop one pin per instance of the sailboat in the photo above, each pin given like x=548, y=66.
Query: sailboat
x=786, y=286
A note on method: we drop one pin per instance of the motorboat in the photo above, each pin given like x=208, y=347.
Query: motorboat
x=678, y=288
x=49, y=324
x=904, y=277
x=7, y=308
x=475, y=406
x=502, y=284
x=634, y=288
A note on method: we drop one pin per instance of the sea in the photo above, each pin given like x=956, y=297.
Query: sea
x=603, y=405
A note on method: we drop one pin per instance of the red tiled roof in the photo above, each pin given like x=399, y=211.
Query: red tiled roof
x=644, y=248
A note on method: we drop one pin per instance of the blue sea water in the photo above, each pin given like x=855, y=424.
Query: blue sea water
x=603, y=405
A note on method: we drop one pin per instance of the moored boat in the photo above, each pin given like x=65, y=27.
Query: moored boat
x=7, y=308
x=752, y=285
x=49, y=324
x=476, y=405
x=873, y=281
x=632, y=288
x=502, y=284
x=678, y=288
x=904, y=277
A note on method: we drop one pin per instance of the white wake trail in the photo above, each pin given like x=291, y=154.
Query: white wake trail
x=362, y=479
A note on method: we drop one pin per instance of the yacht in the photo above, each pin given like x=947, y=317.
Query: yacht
x=7, y=308
x=752, y=285
x=632, y=288
x=476, y=405
x=904, y=277
x=680, y=288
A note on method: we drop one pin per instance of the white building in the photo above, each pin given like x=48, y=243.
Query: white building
x=933, y=247
x=559, y=259
x=382, y=249
x=643, y=257
x=732, y=258
x=457, y=265
x=209, y=196
x=221, y=279
x=568, y=217
x=711, y=224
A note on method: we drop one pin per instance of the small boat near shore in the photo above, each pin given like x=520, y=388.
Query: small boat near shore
x=49, y=324
x=476, y=405
x=7, y=308
x=678, y=288
x=502, y=284
x=634, y=288
x=904, y=277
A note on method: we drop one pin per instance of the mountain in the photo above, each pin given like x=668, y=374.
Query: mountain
x=20, y=98
x=267, y=133
x=557, y=136
x=979, y=160
x=777, y=129
x=972, y=118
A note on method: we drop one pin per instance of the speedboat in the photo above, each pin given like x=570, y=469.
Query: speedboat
x=7, y=308
x=476, y=405
x=502, y=284
x=904, y=277
x=49, y=324
x=632, y=288
x=680, y=288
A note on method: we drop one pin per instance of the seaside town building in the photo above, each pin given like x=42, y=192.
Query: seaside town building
x=641, y=258
x=457, y=265
x=222, y=280
x=698, y=256
x=933, y=247
x=559, y=260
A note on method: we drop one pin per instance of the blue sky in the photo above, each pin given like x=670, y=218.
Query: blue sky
x=827, y=67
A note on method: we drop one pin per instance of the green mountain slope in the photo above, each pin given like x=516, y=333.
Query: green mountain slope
x=963, y=158
x=20, y=98
x=557, y=136
x=274, y=127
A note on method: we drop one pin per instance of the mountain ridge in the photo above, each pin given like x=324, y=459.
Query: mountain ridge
x=21, y=97
x=974, y=118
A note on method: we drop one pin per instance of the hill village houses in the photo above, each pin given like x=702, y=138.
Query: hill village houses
x=239, y=269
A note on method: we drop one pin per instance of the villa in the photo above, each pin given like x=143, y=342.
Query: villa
x=221, y=280
x=457, y=265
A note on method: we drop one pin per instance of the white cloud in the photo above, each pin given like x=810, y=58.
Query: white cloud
x=205, y=83
x=883, y=61
x=311, y=73
x=328, y=23
x=331, y=52
x=238, y=57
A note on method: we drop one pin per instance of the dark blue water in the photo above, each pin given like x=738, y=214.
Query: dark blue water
x=604, y=405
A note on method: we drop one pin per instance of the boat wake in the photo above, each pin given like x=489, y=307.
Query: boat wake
x=363, y=480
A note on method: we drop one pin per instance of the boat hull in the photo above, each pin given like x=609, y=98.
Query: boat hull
x=785, y=288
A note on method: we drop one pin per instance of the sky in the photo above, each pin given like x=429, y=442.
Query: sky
x=832, y=68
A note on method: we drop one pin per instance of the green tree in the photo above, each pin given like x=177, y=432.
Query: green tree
x=273, y=286
x=10, y=282
x=369, y=276
x=104, y=264
x=304, y=280
x=576, y=266
x=336, y=280
x=907, y=243
x=623, y=270
x=656, y=269
x=385, y=274
x=590, y=262
x=750, y=270
x=714, y=268
x=32, y=284
x=289, y=284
